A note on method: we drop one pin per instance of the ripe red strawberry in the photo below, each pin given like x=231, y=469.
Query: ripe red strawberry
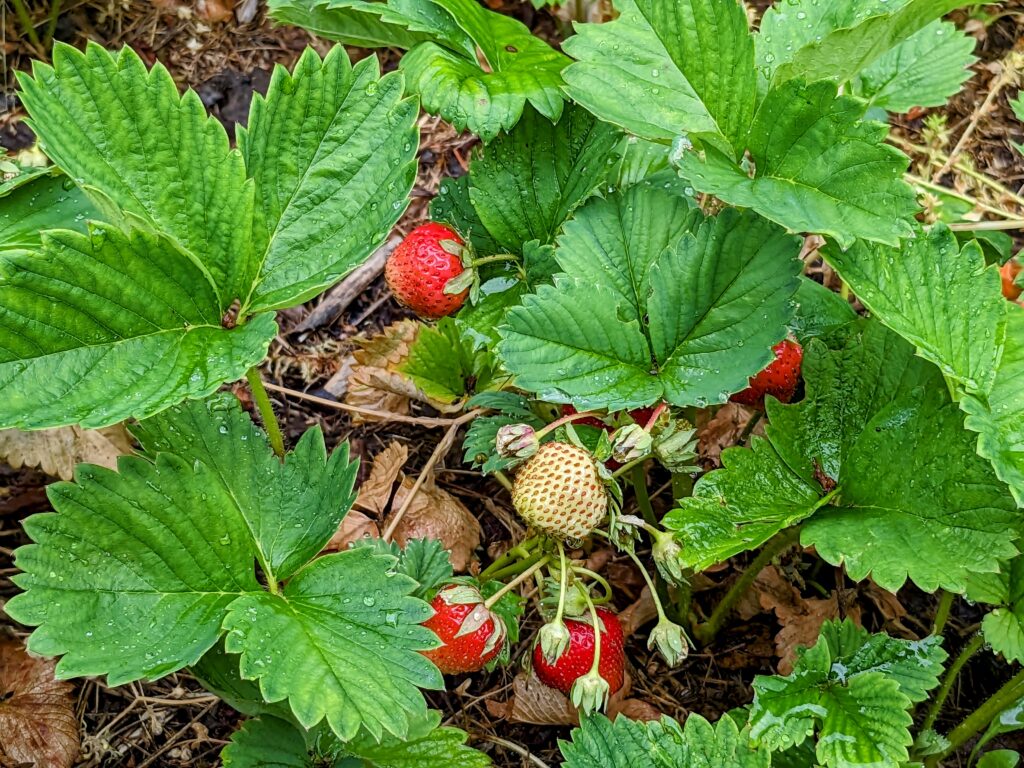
x=779, y=379
x=578, y=657
x=472, y=634
x=420, y=267
x=560, y=492
x=1008, y=272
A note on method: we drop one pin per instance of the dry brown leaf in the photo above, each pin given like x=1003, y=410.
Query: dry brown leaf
x=436, y=514
x=375, y=493
x=534, y=703
x=637, y=709
x=372, y=367
x=38, y=726
x=213, y=10
x=724, y=430
x=57, y=451
x=353, y=528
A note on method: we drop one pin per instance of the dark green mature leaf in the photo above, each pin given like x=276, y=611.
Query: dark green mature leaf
x=879, y=423
x=836, y=40
x=716, y=300
x=394, y=24
x=520, y=68
x=525, y=184
x=959, y=324
x=999, y=758
x=218, y=673
x=134, y=145
x=332, y=151
x=852, y=687
x=452, y=206
x=922, y=71
x=40, y=199
x=624, y=743
x=292, y=508
x=998, y=417
x=140, y=572
x=820, y=168
x=426, y=561
x=819, y=311
x=624, y=75
x=97, y=328
x=267, y=742
x=710, y=43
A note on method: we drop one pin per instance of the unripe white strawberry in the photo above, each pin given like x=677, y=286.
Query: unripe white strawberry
x=560, y=492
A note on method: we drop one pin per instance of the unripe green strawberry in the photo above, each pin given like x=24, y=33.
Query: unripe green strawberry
x=560, y=492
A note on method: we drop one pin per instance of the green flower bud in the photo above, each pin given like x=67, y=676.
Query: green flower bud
x=516, y=441
x=630, y=442
x=590, y=693
x=667, y=552
x=670, y=640
x=554, y=639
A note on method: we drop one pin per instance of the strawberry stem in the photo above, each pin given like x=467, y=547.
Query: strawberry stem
x=643, y=499
x=516, y=582
x=493, y=259
x=628, y=466
x=515, y=568
x=654, y=416
x=565, y=420
x=606, y=588
x=650, y=585
x=266, y=409
x=595, y=667
x=518, y=552
x=563, y=583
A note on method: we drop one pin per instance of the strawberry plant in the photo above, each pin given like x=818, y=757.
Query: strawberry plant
x=625, y=255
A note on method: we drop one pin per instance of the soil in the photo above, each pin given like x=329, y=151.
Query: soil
x=171, y=722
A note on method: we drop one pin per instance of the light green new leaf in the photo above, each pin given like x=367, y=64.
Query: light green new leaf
x=922, y=71
x=443, y=364
x=820, y=167
x=525, y=184
x=267, y=742
x=716, y=300
x=141, y=572
x=427, y=746
x=292, y=508
x=125, y=135
x=44, y=200
x=624, y=75
x=332, y=152
x=937, y=296
x=998, y=417
x=625, y=743
x=1004, y=625
x=869, y=406
x=520, y=68
x=340, y=643
x=1000, y=758
x=711, y=45
x=102, y=327
x=853, y=689
x=835, y=40
x=373, y=24
x=132, y=575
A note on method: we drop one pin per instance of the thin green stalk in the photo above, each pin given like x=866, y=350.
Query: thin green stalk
x=643, y=498
x=949, y=678
x=502, y=478
x=650, y=585
x=266, y=408
x=981, y=717
x=493, y=259
x=528, y=573
x=516, y=568
x=26, y=23
x=628, y=466
x=518, y=552
x=707, y=631
x=606, y=588
x=942, y=612
x=51, y=22
x=563, y=582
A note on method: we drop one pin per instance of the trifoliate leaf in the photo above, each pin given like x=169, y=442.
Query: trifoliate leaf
x=820, y=167
x=922, y=71
x=486, y=94
x=854, y=689
x=372, y=24
x=836, y=40
x=267, y=742
x=332, y=151
x=134, y=145
x=871, y=449
x=45, y=200
x=524, y=185
x=444, y=364
x=127, y=340
x=624, y=743
x=141, y=571
x=711, y=45
x=292, y=508
x=716, y=300
x=937, y=296
x=624, y=75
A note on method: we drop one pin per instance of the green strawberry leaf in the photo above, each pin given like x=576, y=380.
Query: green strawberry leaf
x=624, y=743
x=140, y=572
x=292, y=508
x=922, y=71
x=453, y=207
x=373, y=24
x=819, y=311
x=852, y=687
x=1000, y=758
x=444, y=364
x=137, y=148
x=525, y=184
x=427, y=746
x=624, y=75
x=478, y=445
x=835, y=40
x=267, y=742
x=716, y=299
x=1003, y=627
x=478, y=323
x=820, y=168
x=332, y=152
x=426, y=561
x=486, y=91
x=869, y=405
x=128, y=339
x=218, y=673
x=710, y=43
x=39, y=199
x=1009, y=720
